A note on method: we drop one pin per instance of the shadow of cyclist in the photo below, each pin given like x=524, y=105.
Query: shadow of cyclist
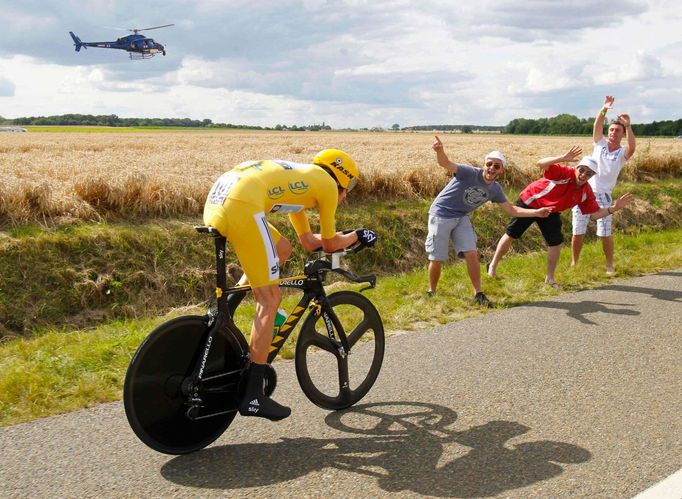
x=406, y=446
x=579, y=310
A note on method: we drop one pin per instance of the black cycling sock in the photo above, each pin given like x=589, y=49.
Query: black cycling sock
x=255, y=403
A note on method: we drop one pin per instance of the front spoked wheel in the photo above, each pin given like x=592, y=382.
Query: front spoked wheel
x=156, y=390
x=318, y=356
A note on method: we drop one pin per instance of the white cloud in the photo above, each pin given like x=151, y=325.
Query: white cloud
x=348, y=63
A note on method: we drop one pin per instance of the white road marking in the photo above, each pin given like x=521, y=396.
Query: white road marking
x=670, y=488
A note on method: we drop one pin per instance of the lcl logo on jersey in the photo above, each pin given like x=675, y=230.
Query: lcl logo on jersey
x=276, y=192
x=298, y=187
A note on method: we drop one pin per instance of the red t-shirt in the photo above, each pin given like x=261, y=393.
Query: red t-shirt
x=559, y=188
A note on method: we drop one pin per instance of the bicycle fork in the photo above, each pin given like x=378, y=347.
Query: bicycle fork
x=332, y=322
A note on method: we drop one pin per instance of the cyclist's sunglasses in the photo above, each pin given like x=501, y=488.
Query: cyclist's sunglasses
x=586, y=171
x=351, y=185
x=495, y=166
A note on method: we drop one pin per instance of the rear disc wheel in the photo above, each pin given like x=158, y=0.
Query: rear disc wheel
x=155, y=392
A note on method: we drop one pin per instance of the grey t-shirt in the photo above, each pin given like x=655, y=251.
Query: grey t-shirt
x=464, y=193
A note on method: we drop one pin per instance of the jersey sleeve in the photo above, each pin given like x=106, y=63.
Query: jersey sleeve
x=558, y=172
x=498, y=195
x=327, y=204
x=300, y=222
x=465, y=172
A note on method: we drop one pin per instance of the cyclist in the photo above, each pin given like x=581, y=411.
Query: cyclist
x=237, y=205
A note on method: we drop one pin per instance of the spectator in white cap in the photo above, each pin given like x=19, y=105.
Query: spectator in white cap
x=469, y=188
x=562, y=187
x=611, y=158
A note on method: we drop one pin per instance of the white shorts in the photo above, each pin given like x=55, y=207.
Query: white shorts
x=580, y=221
x=443, y=230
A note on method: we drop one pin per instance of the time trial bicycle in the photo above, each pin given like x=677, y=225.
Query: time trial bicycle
x=185, y=381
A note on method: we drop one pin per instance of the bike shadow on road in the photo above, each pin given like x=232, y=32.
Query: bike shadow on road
x=579, y=310
x=400, y=446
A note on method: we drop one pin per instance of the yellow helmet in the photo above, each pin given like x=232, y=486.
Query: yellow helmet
x=340, y=165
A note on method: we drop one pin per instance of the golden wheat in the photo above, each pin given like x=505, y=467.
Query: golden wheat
x=60, y=177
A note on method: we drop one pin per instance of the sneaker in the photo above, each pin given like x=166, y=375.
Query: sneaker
x=482, y=300
x=430, y=293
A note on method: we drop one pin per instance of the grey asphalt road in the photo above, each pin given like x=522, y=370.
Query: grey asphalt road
x=579, y=396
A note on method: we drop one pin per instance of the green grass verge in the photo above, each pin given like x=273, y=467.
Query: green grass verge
x=58, y=370
x=80, y=275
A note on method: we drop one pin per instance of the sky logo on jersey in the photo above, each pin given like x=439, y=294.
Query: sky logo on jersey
x=276, y=192
x=298, y=187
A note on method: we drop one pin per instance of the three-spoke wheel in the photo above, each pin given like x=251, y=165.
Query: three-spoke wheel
x=318, y=357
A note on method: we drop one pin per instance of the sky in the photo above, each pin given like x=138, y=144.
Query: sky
x=346, y=63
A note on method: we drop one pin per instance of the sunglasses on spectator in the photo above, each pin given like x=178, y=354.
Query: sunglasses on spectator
x=495, y=166
x=586, y=171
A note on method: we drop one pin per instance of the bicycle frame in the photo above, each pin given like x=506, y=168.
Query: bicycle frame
x=222, y=322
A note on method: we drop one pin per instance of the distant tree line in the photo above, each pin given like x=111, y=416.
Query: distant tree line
x=567, y=124
x=453, y=128
x=114, y=121
x=563, y=124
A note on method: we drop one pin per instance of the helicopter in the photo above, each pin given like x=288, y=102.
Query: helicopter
x=138, y=46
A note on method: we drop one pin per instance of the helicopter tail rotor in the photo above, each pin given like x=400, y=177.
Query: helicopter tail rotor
x=77, y=42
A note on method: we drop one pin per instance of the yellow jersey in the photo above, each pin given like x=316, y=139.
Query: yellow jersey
x=278, y=186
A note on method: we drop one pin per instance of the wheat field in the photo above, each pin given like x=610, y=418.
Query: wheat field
x=54, y=178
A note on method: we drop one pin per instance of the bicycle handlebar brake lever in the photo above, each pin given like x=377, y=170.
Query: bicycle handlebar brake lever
x=369, y=279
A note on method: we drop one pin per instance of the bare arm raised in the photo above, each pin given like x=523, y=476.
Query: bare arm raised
x=572, y=155
x=598, y=127
x=442, y=158
x=625, y=120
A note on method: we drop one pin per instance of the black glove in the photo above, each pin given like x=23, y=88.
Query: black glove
x=366, y=237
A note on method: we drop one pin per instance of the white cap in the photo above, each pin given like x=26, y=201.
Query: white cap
x=496, y=155
x=589, y=162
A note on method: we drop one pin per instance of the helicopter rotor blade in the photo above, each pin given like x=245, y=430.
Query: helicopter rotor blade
x=147, y=29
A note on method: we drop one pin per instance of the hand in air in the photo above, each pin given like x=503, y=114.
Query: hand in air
x=573, y=154
x=624, y=119
x=608, y=102
x=437, y=145
x=366, y=237
x=624, y=200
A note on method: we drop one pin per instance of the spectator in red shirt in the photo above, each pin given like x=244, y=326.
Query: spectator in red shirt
x=562, y=187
